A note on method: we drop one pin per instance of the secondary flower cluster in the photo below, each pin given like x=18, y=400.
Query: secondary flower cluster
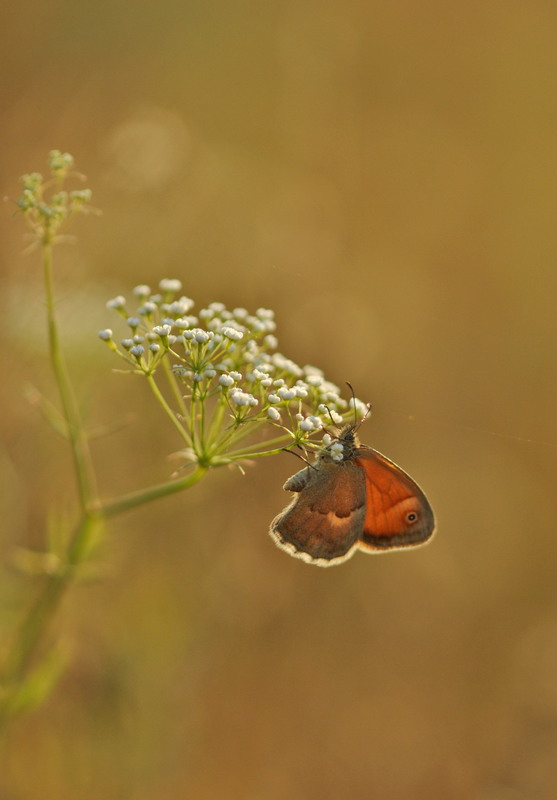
x=225, y=359
x=43, y=202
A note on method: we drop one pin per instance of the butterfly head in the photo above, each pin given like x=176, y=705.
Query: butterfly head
x=340, y=446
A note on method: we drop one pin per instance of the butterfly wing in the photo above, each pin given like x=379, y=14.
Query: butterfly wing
x=398, y=513
x=323, y=523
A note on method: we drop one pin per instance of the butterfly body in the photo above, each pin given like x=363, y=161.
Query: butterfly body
x=360, y=500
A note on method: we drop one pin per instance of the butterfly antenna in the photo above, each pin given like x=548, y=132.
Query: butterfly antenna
x=302, y=458
x=353, y=393
x=330, y=416
x=358, y=422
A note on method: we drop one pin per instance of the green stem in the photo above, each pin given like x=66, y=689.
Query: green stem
x=235, y=435
x=216, y=420
x=174, y=387
x=34, y=623
x=133, y=499
x=80, y=447
x=31, y=630
x=170, y=414
x=285, y=440
x=238, y=455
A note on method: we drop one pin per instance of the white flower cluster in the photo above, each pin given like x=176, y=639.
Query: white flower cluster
x=228, y=354
x=334, y=447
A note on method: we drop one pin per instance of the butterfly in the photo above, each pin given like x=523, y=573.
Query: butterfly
x=351, y=498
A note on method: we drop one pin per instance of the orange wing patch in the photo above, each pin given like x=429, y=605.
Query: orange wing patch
x=397, y=511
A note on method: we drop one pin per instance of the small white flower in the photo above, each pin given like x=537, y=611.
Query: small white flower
x=137, y=351
x=332, y=399
x=314, y=380
x=242, y=398
x=273, y=414
x=154, y=347
x=240, y=313
x=179, y=370
x=226, y=380
x=133, y=322
x=197, y=376
x=267, y=382
x=256, y=375
x=126, y=343
x=265, y=313
x=273, y=398
x=170, y=285
x=180, y=307
x=236, y=375
x=263, y=366
x=360, y=407
x=311, y=423
x=286, y=364
x=330, y=414
x=185, y=322
x=198, y=335
x=232, y=333
x=264, y=363
x=210, y=373
x=257, y=325
x=327, y=439
x=285, y=393
x=261, y=324
x=116, y=302
x=147, y=309
x=105, y=335
x=331, y=394
x=217, y=307
x=306, y=425
x=138, y=339
x=142, y=290
x=201, y=336
x=162, y=330
x=271, y=341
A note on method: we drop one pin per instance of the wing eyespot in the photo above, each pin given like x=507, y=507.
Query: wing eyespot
x=412, y=517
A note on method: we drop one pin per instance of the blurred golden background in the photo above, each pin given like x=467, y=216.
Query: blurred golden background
x=384, y=176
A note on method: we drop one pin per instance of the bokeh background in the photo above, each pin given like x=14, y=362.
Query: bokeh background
x=383, y=175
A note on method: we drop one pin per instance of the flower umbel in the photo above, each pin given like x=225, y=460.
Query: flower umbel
x=46, y=206
x=227, y=381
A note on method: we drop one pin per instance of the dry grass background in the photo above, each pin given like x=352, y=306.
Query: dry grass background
x=384, y=176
